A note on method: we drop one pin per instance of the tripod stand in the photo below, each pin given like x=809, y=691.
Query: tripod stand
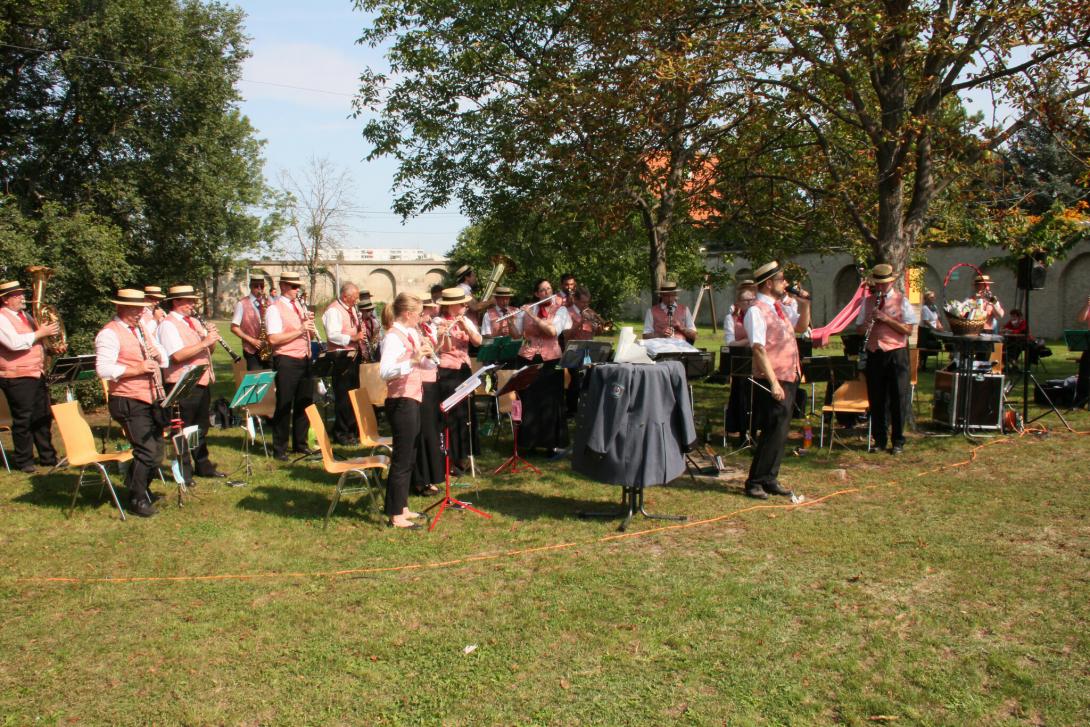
x=1028, y=376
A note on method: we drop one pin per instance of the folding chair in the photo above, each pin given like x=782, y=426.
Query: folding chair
x=849, y=398
x=79, y=447
x=361, y=466
x=366, y=423
x=372, y=383
x=5, y=426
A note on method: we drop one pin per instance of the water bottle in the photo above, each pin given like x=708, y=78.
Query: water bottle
x=807, y=435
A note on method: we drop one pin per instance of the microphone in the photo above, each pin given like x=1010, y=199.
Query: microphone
x=794, y=290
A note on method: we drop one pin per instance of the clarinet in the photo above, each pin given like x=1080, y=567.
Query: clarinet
x=879, y=301
x=235, y=358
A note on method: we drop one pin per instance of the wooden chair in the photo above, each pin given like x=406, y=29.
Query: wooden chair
x=372, y=383
x=849, y=398
x=5, y=426
x=79, y=448
x=361, y=466
x=367, y=424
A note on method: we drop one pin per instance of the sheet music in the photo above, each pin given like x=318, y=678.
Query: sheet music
x=465, y=388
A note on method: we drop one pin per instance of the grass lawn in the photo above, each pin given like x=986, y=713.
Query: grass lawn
x=947, y=586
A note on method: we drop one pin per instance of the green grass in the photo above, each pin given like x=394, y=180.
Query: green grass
x=955, y=597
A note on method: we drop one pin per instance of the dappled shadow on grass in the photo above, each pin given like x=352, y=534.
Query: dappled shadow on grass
x=55, y=490
x=528, y=505
x=306, y=504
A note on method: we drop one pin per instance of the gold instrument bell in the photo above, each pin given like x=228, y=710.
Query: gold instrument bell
x=43, y=312
x=501, y=265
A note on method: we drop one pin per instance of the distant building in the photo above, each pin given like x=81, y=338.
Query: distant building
x=367, y=254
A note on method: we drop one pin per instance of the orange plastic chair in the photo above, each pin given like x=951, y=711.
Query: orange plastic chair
x=79, y=448
x=366, y=422
x=5, y=426
x=372, y=383
x=849, y=398
x=362, y=467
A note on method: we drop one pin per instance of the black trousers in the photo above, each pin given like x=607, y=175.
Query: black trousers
x=459, y=419
x=254, y=362
x=543, y=423
x=404, y=416
x=429, y=467
x=775, y=423
x=194, y=409
x=1082, y=383
x=887, y=391
x=146, y=440
x=346, y=377
x=31, y=420
x=294, y=393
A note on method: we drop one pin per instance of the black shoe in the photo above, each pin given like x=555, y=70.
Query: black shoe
x=283, y=456
x=897, y=449
x=142, y=508
x=776, y=489
x=214, y=474
x=877, y=449
x=154, y=497
x=29, y=468
x=757, y=493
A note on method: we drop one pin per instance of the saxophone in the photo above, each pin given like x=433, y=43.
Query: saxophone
x=43, y=312
x=264, y=351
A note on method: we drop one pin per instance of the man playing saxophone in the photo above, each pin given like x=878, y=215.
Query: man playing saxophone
x=22, y=379
x=129, y=364
x=248, y=323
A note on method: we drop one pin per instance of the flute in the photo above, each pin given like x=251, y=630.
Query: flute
x=525, y=309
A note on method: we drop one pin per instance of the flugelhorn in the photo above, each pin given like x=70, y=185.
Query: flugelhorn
x=43, y=313
x=501, y=265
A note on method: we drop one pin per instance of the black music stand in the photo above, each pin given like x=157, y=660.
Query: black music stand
x=183, y=476
x=1078, y=340
x=741, y=369
x=522, y=379
x=581, y=354
x=68, y=370
x=464, y=389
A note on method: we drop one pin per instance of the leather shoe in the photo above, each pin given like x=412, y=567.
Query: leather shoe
x=29, y=468
x=776, y=489
x=142, y=508
x=756, y=493
x=154, y=497
x=215, y=474
x=897, y=449
x=283, y=457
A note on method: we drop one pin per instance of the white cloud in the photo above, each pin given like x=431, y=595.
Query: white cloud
x=305, y=74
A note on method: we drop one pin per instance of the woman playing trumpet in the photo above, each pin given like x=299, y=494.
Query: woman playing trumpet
x=543, y=422
x=456, y=333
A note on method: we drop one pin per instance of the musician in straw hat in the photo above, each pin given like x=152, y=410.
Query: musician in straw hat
x=128, y=361
x=246, y=323
x=993, y=309
x=22, y=379
x=188, y=343
x=290, y=328
x=669, y=319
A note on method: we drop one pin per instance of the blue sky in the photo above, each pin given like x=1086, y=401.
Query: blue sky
x=312, y=45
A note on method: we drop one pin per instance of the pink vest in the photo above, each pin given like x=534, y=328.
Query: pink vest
x=454, y=348
x=18, y=364
x=536, y=342
x=504, y=328
x=883, y=336
x=296, y=347
x=410, y=386
x=740, y=335
x=428, y=376
x=131, y=353
x=348, y=328
x=580, y=330
x=780, y=345
x=660, y=322
x=251, y=323
x=189, y=337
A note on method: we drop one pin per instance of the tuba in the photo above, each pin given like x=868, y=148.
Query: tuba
x=501, y=265
x=44, y=313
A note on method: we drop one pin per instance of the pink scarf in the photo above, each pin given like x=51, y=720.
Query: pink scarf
x=843, y=319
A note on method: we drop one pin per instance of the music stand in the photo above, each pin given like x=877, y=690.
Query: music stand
x=251, y=390
x=181, y=389
x=464, y=389
x=1078, y=340
x=521, y=380
x=741, y=370
x=67, y=371
x=577, y=353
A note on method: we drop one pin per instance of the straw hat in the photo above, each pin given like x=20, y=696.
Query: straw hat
x=503, y=290
x=669, y=286
x=766, y=271
x=882, y=273
x=291, y=278
x=982, y=279
x=182, y=292
x=11, y=287
x=454, y=296
x=131, y=297
x=153, y=291
x=460, y=272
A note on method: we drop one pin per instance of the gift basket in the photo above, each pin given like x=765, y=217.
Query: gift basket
x=965, y=317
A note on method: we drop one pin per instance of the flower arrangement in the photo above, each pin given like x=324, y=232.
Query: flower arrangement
x=970, y=309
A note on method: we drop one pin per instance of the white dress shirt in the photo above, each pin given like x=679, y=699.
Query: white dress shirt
x=755, y=320
x=107, y=348
x=559, y=320
x=236, y=319
x=274, y=323
x=928, y=317
x=170, y=340
x=9, y=338
x=331, y=319
x=649, y=321
x=486, y=321
x=391, y=366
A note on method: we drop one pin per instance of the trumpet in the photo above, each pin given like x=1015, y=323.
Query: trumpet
x=599, y=324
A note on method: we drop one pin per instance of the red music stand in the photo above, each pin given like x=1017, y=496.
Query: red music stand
x=522, y=379
x=463, y=390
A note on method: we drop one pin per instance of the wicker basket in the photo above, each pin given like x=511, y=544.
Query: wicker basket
x=962, y=327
